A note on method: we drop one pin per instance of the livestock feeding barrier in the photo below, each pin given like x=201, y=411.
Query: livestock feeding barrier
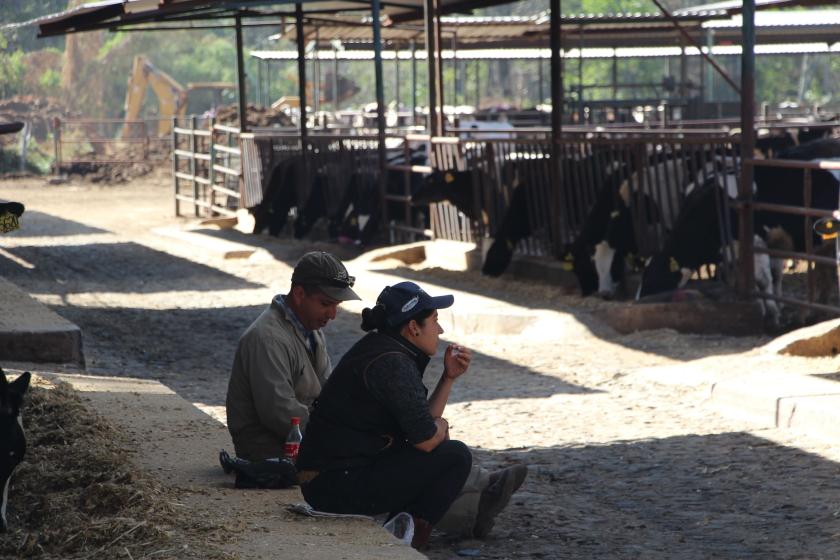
x=239, y=168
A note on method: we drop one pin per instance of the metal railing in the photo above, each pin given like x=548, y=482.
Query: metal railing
x=206, y=168
x=94, y=142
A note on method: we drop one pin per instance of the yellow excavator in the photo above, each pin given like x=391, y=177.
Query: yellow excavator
x=172, y=96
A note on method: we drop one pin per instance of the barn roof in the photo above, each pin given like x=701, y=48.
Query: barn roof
x=589, y=31
x=114, y=14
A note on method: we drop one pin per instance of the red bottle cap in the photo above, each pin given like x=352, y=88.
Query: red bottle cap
x=295, y=421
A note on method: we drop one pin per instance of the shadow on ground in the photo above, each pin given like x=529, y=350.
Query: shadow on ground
x=191, y=350
x=729, y=495
x=113, y=267
x=33, y=222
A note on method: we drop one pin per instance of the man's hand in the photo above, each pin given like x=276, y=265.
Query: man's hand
x=456, y=361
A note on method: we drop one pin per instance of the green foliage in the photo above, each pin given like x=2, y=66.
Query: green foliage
x=39, y=159
x=111, y=42
x=12, y=70
x=50, y=82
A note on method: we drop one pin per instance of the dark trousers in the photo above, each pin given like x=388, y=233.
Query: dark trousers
x=406, y=479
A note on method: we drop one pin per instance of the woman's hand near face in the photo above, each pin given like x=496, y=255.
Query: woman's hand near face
x=456, y=361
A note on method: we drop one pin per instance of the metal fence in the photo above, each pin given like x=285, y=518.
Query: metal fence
x=559, y=184
x=93, y=142
x=206, y=167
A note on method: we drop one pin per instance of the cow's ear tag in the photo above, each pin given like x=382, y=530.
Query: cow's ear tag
x=826, y=228
x=8, y=222
x=449, y=178
x=674, y=265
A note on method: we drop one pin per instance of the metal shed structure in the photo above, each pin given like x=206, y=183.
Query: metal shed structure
x=169, y=14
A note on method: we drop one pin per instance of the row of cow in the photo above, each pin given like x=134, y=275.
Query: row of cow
x=667, y=205
x=685, y=206
x=347, y=197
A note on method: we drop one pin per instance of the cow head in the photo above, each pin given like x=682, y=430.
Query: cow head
x=661, y=274
x=452, y=186
x=12, y=440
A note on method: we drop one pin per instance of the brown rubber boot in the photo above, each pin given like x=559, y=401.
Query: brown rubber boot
x=422, y=532
x=495, y=497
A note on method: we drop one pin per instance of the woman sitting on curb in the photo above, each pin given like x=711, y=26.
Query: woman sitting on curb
x=374, y=443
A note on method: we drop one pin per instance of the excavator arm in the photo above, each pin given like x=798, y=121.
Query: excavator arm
x=172, y=97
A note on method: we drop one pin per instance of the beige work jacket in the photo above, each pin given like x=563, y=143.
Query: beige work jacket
x=274, y=378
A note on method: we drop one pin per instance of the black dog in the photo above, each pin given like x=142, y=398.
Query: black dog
x=12, y=439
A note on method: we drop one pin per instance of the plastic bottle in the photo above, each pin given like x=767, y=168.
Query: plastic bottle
x=292, y=445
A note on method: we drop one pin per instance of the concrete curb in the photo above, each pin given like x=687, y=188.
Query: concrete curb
x=782, y=400
x=30, y=332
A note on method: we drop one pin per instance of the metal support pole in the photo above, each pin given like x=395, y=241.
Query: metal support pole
x=614, y=75
x=413, y=82
x=259, y=83
x=747, y=145
x=380, y=107
x=477, y=84
x=441, y=90
x=683, y=71
x=240, y=78
x=556, y=74
x=709, y=90
x=267, y=78
x=580, y=75
x=540, y=79
x=454, y=69
x=335, y=80
x=397, y=76
x=432, y=51
x=301, y=62
x=316, y=76
x=556, y=201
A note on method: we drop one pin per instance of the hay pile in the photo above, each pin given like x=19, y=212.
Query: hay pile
x=77, y=496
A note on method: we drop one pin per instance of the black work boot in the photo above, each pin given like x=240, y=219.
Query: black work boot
x=495, y=497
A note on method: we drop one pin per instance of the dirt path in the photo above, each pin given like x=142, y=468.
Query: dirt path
x=621, y=467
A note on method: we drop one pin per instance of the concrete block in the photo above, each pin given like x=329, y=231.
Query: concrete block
x=30, y=332
x=700, y=316
x=818, y=415
x=771, y=398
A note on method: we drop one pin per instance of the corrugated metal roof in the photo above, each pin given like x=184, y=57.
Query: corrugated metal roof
x=781, y=19
x=115, y=14
x=591, y=30
x=544, y=53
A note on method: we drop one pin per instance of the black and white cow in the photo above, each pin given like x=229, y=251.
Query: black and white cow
x=12, y=438
x=822, y=148
x=280, y=196
x=696, y=241
x=456, y=187
x=358, y=217
x=648, y=205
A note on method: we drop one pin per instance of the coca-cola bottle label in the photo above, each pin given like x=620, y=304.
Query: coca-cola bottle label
x=290, y=450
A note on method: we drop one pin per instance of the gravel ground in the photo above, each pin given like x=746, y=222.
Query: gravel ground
x=620, y=467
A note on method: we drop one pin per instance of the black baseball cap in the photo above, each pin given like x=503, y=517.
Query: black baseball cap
x=325, y=272
x=405, y=300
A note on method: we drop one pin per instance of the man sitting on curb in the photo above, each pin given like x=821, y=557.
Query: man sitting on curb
x=281, y=364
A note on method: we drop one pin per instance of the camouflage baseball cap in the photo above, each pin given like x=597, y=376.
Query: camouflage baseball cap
x=325, y=272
